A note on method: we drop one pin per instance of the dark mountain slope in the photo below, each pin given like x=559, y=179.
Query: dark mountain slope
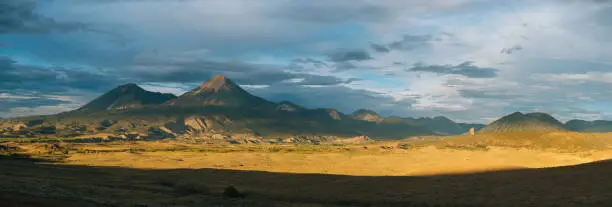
x=443, y=125
x=126, y=97
x=589, y=126
x=533, y=122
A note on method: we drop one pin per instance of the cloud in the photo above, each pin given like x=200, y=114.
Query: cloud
x=379, y=48
x=467, y=69
x=20, y=16
x=345, y=99
x=512, y=49
x=334, y=12
x=410, y=42
x=286, y=45
x=315, y=63
x=575, y=78
x=9, y=101
x=345, y=55
x=162, y=68
x=14, y=76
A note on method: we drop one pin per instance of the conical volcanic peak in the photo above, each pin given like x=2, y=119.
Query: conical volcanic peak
x=534, y=122
x=219, y=91
x=218, y=83
x=126, y=96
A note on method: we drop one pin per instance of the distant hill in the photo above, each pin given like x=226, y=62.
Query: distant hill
x=531, y=122
x=287, y=106
x=126, y=97
x=443, y=125
x=589, y=126
x=366, y=115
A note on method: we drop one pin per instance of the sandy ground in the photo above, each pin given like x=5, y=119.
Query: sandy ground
x=423, y=161
x=379, y=174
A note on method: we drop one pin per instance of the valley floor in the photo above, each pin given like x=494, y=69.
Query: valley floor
x=370, y=174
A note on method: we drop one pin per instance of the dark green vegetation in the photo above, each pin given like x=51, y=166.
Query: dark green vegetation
x=218, y=106
x=27, y=183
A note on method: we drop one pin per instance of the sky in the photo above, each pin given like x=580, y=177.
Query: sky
x=469, y=60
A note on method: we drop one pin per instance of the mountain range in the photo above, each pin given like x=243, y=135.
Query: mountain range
x=222, y=106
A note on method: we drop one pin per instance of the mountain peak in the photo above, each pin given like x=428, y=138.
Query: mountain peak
x=216, y=84
x=442, y=118
x=129, y=85
x=536, y=122
x=126, y=96
x=219, y=91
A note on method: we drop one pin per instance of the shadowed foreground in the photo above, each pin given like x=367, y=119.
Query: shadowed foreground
x=26, y=183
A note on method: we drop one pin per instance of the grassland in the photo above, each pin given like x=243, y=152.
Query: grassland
x=510, y=169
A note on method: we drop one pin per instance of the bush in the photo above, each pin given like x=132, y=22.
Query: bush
x=232, y=192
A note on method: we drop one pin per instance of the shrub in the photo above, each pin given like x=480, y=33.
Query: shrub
x=232, y=192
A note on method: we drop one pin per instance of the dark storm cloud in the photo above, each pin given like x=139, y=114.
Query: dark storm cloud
x=466, y=69
x=49, y=79
x=19, y=16
x=7, y=103
x=348, y=55
x=379, y=48
x=165, y=70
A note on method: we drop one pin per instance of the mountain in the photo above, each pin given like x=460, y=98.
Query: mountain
x=126, y=97
x=287, y=106
x=443, y=125
x=589, y=126
x=219, y=91
x=468, y=126
x=366, y=115
x=217, y=107
x=533, y=122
